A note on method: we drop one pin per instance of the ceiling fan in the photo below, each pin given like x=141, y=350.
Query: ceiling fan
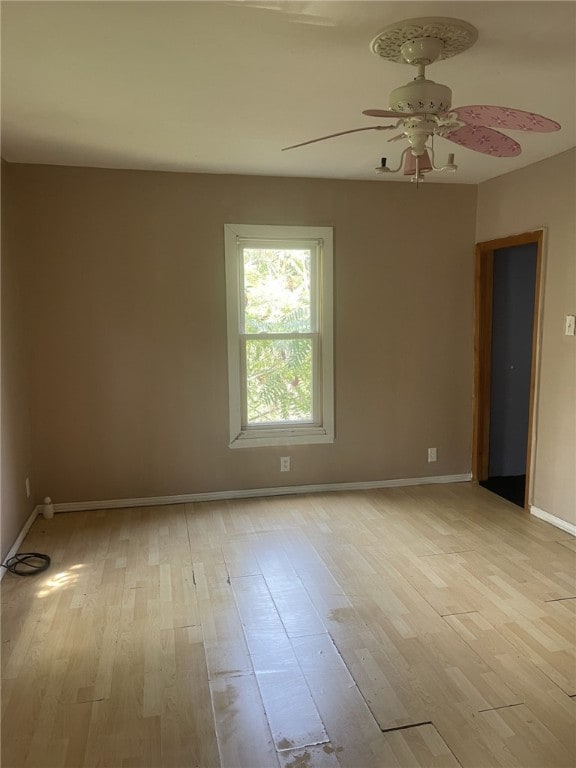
x=423, y=109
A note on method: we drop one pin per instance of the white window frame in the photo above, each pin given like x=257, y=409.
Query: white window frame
x=321, y=430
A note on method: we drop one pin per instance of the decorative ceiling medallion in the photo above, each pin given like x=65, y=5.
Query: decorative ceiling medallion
x=456, y=36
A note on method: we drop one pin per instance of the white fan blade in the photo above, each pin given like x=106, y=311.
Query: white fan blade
x=389, y=113
x=342, y=133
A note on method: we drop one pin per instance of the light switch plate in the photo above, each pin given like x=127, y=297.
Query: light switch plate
x=570, y=327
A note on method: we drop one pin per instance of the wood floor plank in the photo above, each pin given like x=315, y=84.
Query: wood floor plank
x=224, y=643
x=239, y=714
x=551, y=705
x=292, y=714
x=421, y=746
x=425, y=626
x=294, y=606
x=239, y=557
x=355, y=736
x=529, y=743
x=323, y=756
x=406, y=634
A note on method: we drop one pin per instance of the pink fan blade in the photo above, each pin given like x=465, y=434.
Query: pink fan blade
x=505, y=117
x=485, y=140
x=342, y=133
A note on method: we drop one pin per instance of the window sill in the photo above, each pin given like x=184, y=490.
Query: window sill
x=302, y=436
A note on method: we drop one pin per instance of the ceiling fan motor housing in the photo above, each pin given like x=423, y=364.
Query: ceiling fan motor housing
x=421, y=95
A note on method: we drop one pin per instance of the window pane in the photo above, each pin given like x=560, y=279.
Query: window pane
x=277, y=290
x=279, y=380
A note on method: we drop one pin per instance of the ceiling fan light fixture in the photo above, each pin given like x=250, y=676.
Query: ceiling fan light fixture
x=384, y=168
x=415, y=165
x=450, y=166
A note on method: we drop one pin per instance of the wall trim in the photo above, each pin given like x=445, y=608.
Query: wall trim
x=21, y=536
x=81, y=506
x=557, y=521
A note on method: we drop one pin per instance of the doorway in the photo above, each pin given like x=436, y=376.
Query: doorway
x=507, y=290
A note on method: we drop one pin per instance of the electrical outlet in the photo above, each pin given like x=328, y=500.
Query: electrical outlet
x=27, y=487
x=432, y=454
x=284, y=463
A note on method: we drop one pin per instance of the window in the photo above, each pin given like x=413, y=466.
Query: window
x=279, y=305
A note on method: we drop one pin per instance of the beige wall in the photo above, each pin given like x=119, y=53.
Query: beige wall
x=543, y=195
x=125, y=289
x=16, y=455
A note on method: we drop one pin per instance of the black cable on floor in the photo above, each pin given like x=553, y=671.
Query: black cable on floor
x=27, y=563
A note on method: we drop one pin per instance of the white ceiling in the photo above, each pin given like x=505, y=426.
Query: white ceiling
x=221, y=87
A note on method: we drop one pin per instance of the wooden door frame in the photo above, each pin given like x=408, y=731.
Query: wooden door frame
x=483, y=295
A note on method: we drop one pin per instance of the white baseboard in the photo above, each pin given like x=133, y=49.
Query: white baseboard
x=21, y=536
x=79, y=506
x=557, y=521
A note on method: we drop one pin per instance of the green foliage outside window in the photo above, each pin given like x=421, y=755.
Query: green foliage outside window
x=277, y=291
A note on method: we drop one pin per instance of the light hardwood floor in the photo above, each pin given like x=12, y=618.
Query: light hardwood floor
x=427, y=626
